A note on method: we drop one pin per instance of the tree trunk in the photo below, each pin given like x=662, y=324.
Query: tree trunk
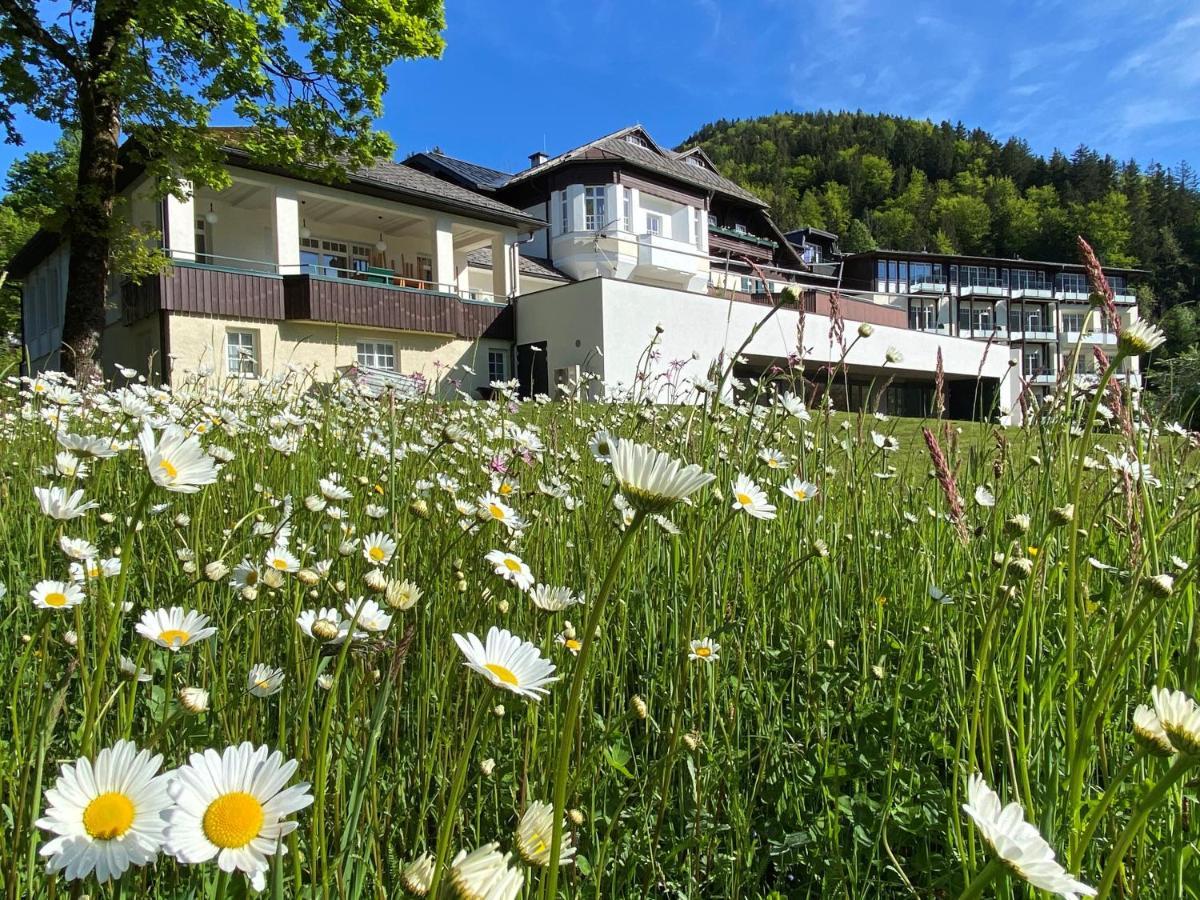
x=90, y=231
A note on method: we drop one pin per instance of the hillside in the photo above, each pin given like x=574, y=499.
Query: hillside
x=888, y=181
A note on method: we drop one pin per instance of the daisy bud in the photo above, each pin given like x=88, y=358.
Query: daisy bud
x=487, y=767
x=376, y=580
x=1148, y=731
x=502, y=606
x=461, y=587
x=1063, y=515
x=498, y=710
x=272, y=578
x=216, y=570
x=998, y=560
x=325, y=681
x=193, y=699
x=25, y=639
x=419, y=508
x=830, y=643
x=250, y=593
x=1017, y=525
x=339, y=586
x=1159, y=585
x=691, y=740
x=1021, y=567
x=865, y=330
x=308, y=576
x=324, y=630
x=820, y=548
x=418, y=875
x=189, y=568
x=183, y=520
x=877, y=671
x=568, y=630
x=638, y=705
x=70, y=638
x=576, y=816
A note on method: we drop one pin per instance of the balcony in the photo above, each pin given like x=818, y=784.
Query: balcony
x=253, y=289
x=664, y=259
x=1034, y=291
x=1032, y=332
x=1088, y=337
x=741, y=235
x=927, y=284
x=984, y=287
x=1041, y=375
x=983, y=333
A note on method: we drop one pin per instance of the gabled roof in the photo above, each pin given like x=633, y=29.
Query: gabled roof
x=697, y=153
x=648, y=155
x=468, y=174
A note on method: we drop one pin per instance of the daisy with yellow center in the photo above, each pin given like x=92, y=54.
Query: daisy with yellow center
x=174, y=629
x=378, y=548
x=281, y=559
x=56, y=595
x=232, y=806
x=706, y=650
x=751, y=499
x=508, y=662
x=510, y=567
x=176, y=460
x=799, y=490
x=534, y=833
x=492, y=509
x=106, y=815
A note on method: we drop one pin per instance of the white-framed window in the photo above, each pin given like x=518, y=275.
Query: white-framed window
x=360, y=258
x=497, y=361
x=241, y=353
x=564, y=214
x=654, y=223
x=203, y=242
x=698, y=224
x=377, y=354
x=1073, y=322
x=627, y=209
x=594, y=213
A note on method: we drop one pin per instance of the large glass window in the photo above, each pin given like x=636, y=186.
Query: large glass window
x=1073, y=322
x=922, y=316
x=377, y=354
x=594, y=214
x=323, y=257
x=1073, y=283
x=881, y=273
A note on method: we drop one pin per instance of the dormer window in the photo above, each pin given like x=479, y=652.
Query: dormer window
x=694, y=161
x=637, y=140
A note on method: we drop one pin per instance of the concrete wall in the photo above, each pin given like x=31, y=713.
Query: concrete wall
x=620, y=317
x=200, y=341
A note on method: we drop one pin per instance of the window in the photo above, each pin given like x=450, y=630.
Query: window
x=563, y=217
x=654, y=223
x=377, y=354
x=241, y=354
x=904, y=272
x=1073, y=283
x=636, y=139
x=1073, y=322
x=923, y=316
x=698, y=224
x=360, y=258
x=425, y=269
x=321, y=257
x=627, y=209
x=497, y=365
x=881, y=274
x=203, y=243
x=694, y=161
x=593, y=208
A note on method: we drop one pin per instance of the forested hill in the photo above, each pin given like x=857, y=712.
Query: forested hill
x=908, y=184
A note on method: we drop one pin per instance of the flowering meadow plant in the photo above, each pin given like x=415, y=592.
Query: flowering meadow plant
x=259, y=637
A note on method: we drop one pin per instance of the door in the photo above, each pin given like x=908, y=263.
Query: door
x=532, y=370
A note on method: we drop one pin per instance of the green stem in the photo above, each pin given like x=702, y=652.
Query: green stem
x=982, y=879
x=1117, y=856
x=456, y=790
x=566, y=739
x=1097, y=814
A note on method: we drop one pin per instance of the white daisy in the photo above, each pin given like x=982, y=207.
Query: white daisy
x=232, y=806
x=1180, y=718
x=370, y=616
x=705, y=649
x=750, y=498
x=333, y=489
x=653, y=480
x=95, y=568
x=799, y=489
x=325, y=624
x=483, y=874
x=378, y=548
x=174, y=629
x=106, y=815
x=552, y=599
x=56, y=594
x=492, y=509
x=534, y=833
x=263, y=681
x=510, y=567
x=77, y=548
x=984, y=497
x=508, y=662
x=1019, y=845
x=58, y=504
x=176, y=461
x=280, y=559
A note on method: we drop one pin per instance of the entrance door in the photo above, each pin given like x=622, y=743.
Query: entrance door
x=532, y=371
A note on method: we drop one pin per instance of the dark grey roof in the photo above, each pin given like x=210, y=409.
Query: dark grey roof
x=480, y=177
x=534, y=266
x=653, y=158
x=397, y=175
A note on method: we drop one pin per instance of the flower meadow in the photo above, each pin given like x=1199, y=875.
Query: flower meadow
x=264, y=638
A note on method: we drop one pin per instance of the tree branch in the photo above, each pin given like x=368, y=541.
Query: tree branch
x=25, y=22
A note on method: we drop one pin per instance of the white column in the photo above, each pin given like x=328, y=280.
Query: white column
x=443, y=251
x=575, y=207
x=285, y=222
x=179, y=235
x=504, y=278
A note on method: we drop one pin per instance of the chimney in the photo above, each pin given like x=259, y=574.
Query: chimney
x=536, y=159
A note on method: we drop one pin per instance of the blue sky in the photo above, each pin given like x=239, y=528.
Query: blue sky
x=1123, y=77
